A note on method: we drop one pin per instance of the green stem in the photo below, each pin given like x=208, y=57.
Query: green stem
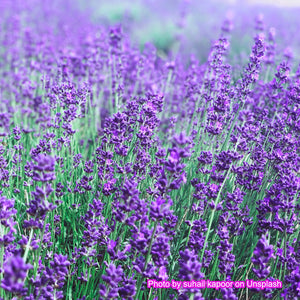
x=28, y=245
x=150, y=246
x=213, y=214
x=147, y=260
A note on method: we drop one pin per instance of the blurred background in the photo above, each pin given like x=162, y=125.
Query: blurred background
x=197, y=23
x=188, y=26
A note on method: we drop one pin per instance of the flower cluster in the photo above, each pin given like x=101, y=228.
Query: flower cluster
x=120, y=164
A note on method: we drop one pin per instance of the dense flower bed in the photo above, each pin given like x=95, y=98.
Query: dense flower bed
x=118, y=166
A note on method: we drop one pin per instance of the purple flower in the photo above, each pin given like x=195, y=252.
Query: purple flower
x=6, y=210
x=262, y=255
x=228, y=294
x=160, y=208
x=15, y=272
x=205, y=158
x=190, y=267
x=43, y=168
x=114, y=275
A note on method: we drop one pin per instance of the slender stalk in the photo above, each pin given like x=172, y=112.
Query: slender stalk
x=28, y=245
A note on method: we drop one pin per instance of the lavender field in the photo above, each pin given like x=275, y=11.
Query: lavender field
x=149, y=150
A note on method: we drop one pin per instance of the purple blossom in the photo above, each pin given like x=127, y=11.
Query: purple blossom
x=43, y=168
x=15, y=272
x=262, y=255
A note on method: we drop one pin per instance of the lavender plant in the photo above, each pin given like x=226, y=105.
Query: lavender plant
x=119, y=165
